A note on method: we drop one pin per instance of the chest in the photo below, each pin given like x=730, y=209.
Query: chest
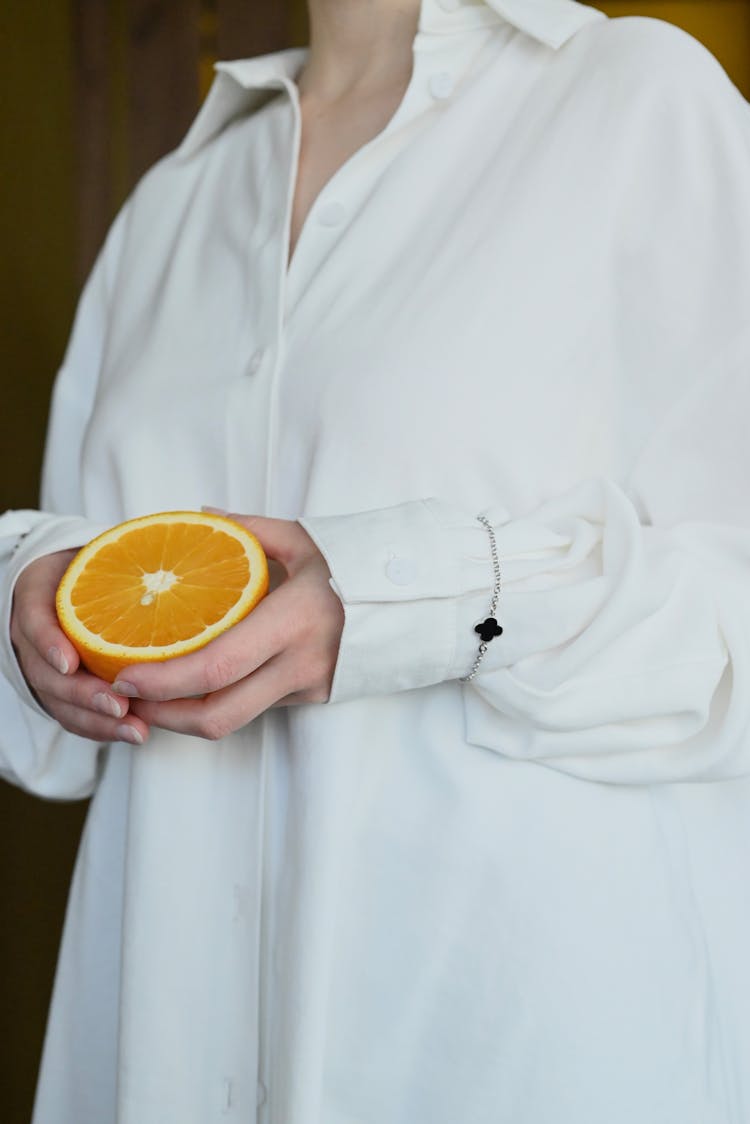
x=329, y=138
x=456, y=333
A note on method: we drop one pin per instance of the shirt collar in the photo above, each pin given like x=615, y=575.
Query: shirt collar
x=244, y=84
x=551, y=22
x=240, y=87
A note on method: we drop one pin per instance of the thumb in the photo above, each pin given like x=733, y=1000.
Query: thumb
x=281, y=539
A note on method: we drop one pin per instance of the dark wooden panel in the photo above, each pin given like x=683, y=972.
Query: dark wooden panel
x=246, y=29
x=38, y=848
x=162, y=68
x=37, y=292
x=91, y=37
x=300, y=23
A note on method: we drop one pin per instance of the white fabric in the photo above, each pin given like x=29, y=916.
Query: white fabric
x=426, y=903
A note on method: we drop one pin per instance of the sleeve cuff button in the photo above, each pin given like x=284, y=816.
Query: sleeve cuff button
x=401, y=571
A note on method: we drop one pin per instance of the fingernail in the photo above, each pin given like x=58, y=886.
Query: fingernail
x=129, y=734
x=126, y=689
x=58, y=661
x=105, y=704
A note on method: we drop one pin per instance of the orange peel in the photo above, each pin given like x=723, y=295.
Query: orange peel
x=157, y=587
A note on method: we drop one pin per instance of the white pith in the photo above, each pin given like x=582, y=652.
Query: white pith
x=155, y=583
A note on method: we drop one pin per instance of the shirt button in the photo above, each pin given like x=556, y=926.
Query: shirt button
x=260, y=1095
x=332, y=214
x=441, y=85
x=401, y=571
x=255, y=362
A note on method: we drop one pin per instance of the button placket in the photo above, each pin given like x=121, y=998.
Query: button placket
x=341, y=196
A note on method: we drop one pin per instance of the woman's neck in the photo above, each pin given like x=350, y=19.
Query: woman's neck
x=358, y=47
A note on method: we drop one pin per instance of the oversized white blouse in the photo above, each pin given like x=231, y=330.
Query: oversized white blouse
x=523, y=900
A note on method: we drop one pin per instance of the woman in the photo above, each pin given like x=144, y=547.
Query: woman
x=485, y=885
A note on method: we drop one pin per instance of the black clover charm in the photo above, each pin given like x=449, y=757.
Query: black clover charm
x=488, y=629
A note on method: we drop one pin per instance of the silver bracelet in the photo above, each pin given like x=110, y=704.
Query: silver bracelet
x=488, y=629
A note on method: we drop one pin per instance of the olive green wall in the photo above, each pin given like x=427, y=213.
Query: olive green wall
x=36, y=230
x=37, y=294
x=723, y=25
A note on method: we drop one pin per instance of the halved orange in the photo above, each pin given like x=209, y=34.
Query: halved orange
x=158, y=587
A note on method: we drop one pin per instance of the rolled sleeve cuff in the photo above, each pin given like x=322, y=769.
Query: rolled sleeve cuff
x=401, y=574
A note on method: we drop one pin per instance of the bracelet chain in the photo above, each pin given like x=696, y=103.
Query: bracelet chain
x=489, y=628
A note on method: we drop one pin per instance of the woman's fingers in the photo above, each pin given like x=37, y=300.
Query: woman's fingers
x=219, y=714
x=78, y=689
x=295, y=675
x=282, y=539
x=226, y=660
x=96, y=727
x=285, y=541
x=34, y=616
x=79, y=701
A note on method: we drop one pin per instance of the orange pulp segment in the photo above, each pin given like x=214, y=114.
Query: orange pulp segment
x=158, y=587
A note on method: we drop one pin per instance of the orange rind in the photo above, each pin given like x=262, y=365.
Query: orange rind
x=157, y=587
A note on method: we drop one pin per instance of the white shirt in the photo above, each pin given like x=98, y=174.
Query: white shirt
x=522, y=900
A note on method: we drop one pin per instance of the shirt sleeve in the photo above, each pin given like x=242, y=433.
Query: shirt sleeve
x=35, y=752
x=625, y=655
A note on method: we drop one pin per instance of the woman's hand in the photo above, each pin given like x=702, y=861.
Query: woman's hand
x=79, y=701
x=283, y=652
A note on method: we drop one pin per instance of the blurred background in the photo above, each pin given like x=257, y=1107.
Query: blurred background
x=92, y=92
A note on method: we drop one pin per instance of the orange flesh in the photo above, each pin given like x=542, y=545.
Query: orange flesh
x=114, y=602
